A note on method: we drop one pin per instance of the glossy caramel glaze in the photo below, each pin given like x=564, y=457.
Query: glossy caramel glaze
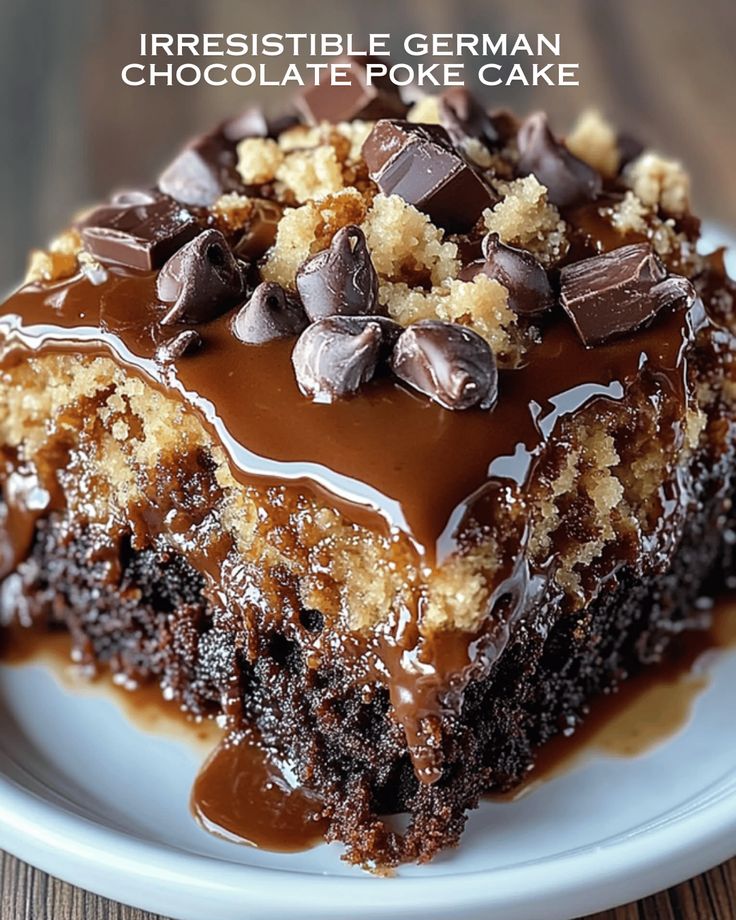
x=387, y=457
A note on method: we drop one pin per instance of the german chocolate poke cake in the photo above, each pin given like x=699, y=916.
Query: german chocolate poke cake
x=387, y=434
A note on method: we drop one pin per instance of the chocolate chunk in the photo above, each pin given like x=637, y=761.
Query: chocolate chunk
x=630, y=148
x=618, y=292
x=270, y=313
x=253, y=122
x=419, y=163
x=518, y=271
x=356, y=99
x=341, y=279
x=202, y=280
x=463, y=117
x=336, y=355
x=140, y=234
x=202, y=172
x=568, y=179
x=132, y=196
x=450, y=363
x=183, y=343
x=259, y=232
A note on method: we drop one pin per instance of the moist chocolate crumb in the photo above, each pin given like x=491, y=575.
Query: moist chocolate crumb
x=569, y=180
x=201, y=281
x=448, y=362
x=618, y=292
x=270, y=313
x=341, y=279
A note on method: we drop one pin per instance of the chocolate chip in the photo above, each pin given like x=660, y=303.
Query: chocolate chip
x=518, y=271
x=420, y=163
x=357, y=98
x=569, y=181
x=270, y=313
x=183, y=343
x=618, y=292
x=463, y=117
x=450, y=363
x=341, y=279
x=202, y=280
x=140, y=234
x=336, y=355
x=202, y=172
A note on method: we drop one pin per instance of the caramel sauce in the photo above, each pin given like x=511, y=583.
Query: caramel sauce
x=144, y=704
x=422, y=486
x=242, y=796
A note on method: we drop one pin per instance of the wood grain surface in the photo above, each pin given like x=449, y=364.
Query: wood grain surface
x=70, y=130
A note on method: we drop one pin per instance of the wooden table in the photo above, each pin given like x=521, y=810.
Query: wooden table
x=665, y=69
x=27, y=894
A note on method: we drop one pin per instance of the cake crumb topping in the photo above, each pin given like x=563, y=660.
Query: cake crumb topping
x=595, y=142
x=525, y=218
x=659, y=182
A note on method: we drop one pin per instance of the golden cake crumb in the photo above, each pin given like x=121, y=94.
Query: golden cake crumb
x=57, y=262
x=233, y=211
x=406, y=246
x=311, y=174
x=630, y=215
x=594, y=141
x=481, y=304
x=308, y=229
x=524, y=217
x=425, y=111
x=660, y=182
x=259, y=159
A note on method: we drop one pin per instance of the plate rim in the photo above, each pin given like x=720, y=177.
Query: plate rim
x=697, y=835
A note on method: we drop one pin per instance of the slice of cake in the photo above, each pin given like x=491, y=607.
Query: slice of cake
x=388, y=442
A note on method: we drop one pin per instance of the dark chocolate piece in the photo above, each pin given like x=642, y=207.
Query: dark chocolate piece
x=336, y=355
x=253, y=122
x=630, y=148
x=618, y=292
x=448, y=362
x=518, y=271
x=140, y=234
x=202, y=280
x=420, y=163
x=183, y=343
x=270, y=313
x=463, y=117
x=128, y=197
x=341, y=279
x=356, y=99
x=569, y=180
x=202, y=172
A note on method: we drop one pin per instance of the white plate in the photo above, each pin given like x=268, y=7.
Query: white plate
x=89, y=797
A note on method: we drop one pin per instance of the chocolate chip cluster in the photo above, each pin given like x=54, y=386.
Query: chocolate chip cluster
x=344, y=335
